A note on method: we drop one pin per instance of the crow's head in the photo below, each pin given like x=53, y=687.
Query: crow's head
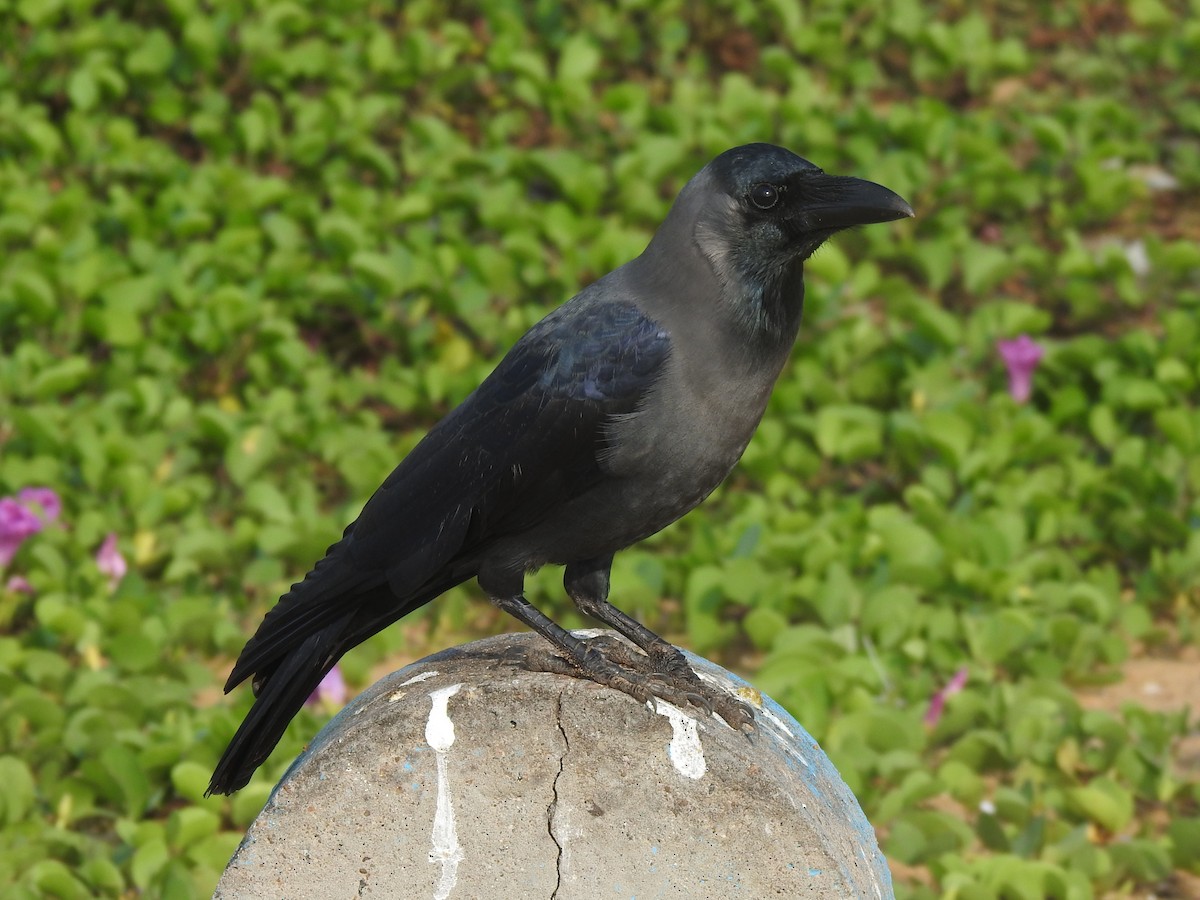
x=756, y=212
x=787, y=207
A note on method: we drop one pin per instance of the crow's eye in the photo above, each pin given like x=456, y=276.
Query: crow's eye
x=764, y=196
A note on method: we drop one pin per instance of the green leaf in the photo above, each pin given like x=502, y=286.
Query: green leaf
x=123, y=766
x=1145, y=860
x=60, y=378
x=341, y=233
x=1141, y=394
x=55, y=880
x=249, y=801
x=17, y=798
x=377, y=269
x=34, y=294
x=190, y=780
x=849, y=432
x=1103, y=425
x=1150, y=13
x=252, y=125
x=83, y=89
x=991, y=833
x=984, y=266
x=189, y=825
x=1184, y=835
x=103, y=876
x=152, y=55
x=39, y=12
x=42, y=135
x=250, y=452
x=951, y=433
x=913, y=553
x=215, y=851
x=150, y=858
x=763, y=625
x=133, y=652
x=1104, y=802
x=578, y=59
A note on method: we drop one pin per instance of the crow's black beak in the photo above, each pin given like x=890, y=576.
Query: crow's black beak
x=843, y=202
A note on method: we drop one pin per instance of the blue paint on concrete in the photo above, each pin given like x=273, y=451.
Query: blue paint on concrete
x=806, y=760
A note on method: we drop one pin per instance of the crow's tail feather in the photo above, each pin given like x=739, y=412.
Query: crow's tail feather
x=288, y=677
x=281, y=695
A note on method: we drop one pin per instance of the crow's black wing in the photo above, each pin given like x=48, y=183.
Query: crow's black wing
x=526, y=441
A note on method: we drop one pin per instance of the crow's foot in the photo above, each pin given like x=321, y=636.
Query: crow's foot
x=663, y=673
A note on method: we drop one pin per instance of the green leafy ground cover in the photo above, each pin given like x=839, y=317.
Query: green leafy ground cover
x=250, y=251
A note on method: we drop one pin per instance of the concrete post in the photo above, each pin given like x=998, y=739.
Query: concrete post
x=466, y=776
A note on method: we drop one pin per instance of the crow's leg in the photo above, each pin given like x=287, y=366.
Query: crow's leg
x=607, y=661
x=587, y=583
x=583, y=658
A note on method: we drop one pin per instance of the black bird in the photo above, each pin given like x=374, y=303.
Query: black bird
x=611, y=418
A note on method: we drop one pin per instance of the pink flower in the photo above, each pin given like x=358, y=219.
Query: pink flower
x=1021, y=358
x=18, y=584
x=331, y=690
x=45, y=498
x=16, y=524
x=109, y=560
x=937, y=702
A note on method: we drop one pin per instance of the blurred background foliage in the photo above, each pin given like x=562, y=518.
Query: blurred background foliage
x=251, y=251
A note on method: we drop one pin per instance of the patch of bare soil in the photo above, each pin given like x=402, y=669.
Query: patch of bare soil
x=1161, y=684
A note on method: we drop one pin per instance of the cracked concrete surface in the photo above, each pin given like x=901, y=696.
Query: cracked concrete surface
x=552, y=811
x=557, y=788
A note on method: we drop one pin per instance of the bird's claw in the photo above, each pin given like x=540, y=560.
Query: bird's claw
x=737, y=715
x=661, y=674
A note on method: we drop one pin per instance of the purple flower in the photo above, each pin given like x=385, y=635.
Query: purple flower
x=331, y=690
x=937, y=703
x=18, y=584
x=45, y=498
x=109, y=560
x=1021, y=357
x=16, y=524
